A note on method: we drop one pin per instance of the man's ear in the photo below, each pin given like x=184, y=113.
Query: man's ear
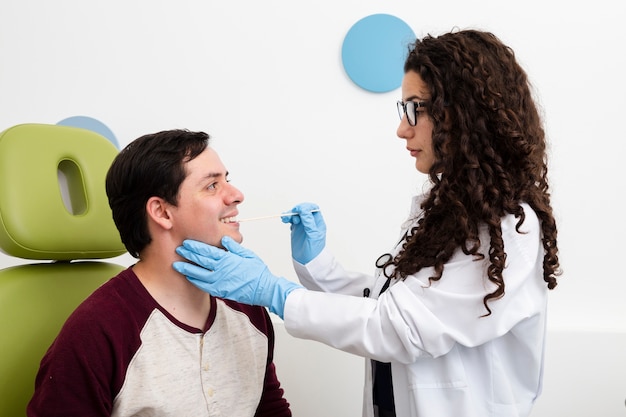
x=158, y=212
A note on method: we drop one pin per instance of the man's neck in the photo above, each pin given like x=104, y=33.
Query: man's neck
x=172, y=291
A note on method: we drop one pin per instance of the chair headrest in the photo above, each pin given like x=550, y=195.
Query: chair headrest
x=53, y=203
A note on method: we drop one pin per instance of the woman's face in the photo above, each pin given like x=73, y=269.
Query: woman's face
x=419, y=138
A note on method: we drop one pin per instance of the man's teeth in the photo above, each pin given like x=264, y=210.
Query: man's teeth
x=229, y=220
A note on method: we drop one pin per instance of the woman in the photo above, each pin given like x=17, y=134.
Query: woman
x=455, y=320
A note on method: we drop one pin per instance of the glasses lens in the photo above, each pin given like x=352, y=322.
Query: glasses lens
x=400, y=108
x=411, y=112
x=407, y=108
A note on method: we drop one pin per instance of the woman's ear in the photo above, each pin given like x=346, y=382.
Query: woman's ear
x=158, y=212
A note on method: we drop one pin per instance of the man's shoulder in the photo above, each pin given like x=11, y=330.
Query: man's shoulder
x=257, y=315
x=116, y=304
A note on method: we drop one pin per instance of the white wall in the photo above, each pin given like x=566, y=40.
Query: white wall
x=264, y=78
x=584, y=376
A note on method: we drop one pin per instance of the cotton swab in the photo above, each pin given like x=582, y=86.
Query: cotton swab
x=273, y=216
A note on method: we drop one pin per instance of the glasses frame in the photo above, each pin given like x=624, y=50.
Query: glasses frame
x=402, y=110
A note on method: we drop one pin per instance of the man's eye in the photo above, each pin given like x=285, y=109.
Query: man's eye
x=212, y=186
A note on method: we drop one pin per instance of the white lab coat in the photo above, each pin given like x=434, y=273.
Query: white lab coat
x=447, y=361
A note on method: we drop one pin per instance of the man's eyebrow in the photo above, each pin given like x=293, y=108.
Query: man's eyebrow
x=213, y=175
x=216, y=174
x=209, y=176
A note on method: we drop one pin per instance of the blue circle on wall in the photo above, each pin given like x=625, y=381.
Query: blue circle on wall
x=92, y=124
x=374, y=51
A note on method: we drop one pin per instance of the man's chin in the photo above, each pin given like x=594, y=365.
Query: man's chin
x=237, y=237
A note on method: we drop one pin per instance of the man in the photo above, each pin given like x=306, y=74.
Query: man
x=148, y=342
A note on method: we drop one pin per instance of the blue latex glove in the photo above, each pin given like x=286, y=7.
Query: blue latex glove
x=235, y=273
x=308, y=232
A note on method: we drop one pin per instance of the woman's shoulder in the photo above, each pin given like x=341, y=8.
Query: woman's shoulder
x=522, y=240
x=529, y=224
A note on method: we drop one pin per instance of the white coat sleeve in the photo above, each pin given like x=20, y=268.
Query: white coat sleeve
x=413, y=319
x=330, y=276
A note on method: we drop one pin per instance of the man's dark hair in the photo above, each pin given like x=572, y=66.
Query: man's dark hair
x=150, y=166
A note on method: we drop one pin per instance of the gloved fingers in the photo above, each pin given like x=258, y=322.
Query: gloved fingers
x=300, y=209
x=290, y=219
x=305, y=208
x=236, y=249
x=193, y=271
x=319, y=221
x=293, y=219
x=308, y=222
x=207, y=260
x=202, y=248
x=206, y=287
x=313, y=223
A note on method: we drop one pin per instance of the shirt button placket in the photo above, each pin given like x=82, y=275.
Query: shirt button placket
x=206, y=381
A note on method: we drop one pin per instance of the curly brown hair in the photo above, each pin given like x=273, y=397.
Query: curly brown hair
x=490, y=153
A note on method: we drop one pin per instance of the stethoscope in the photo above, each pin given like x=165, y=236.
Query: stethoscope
x=383, y=262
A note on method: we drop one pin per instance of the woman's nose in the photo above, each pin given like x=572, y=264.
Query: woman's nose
x=404, y=129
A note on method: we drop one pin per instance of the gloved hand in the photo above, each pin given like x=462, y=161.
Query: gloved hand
x=235, y=273
x=308, y=232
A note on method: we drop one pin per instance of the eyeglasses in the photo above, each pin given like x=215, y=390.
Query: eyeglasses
x=410, y=109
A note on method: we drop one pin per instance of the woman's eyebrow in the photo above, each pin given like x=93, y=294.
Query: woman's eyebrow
x=414, y=98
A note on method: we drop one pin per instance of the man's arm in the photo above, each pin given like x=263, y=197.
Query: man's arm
x=273, y=403
x=69, y=383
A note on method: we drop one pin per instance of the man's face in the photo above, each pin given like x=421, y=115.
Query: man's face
x=207, y=203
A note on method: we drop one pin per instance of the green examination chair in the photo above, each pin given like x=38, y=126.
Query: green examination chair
x=54, y=217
